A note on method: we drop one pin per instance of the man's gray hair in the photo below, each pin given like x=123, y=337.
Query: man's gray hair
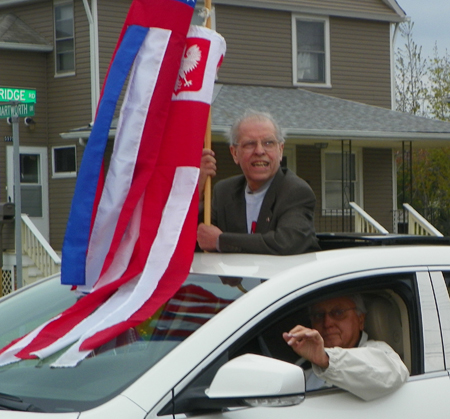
x=359, y=303
x=255, y=115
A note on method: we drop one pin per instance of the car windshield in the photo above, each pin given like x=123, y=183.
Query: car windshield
x=115, y=365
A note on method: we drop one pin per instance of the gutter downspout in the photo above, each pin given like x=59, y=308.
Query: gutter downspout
x=394, y=38
x=393, y=107
x=92, y=16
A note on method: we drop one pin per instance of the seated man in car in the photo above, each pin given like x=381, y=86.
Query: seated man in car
x=341, y=354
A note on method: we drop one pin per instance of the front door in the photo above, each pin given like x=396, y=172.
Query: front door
x=33, y=185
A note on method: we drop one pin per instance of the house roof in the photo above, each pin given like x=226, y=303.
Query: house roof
x=309, y=118
x=16, y=35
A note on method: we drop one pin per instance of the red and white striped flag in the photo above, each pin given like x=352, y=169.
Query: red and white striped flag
x=130, y=239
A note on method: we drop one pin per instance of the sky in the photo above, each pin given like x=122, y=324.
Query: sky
x=431, y=24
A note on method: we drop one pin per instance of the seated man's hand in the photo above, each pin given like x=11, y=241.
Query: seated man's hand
x=207, y=237
x=307, y=343
x=207, y=168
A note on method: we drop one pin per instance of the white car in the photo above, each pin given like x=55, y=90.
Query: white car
x=189, y=361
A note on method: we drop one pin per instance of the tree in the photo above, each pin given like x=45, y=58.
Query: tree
x=439, y=91
x=424, y=89
x=411, y=67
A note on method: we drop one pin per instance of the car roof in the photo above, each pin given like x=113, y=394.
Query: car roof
x=338, y=260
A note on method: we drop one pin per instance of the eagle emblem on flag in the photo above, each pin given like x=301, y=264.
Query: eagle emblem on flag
x=193, y=65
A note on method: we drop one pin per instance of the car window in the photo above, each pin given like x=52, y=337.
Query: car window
x=447, y=281
x=394, y=303
x=27, y=309
x=392, y=316
x=116, y=364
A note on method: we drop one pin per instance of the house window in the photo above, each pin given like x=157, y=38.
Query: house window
x=31, y=184
x=310, y=40
x=64, y=38
x=64, y=161
x=340, y=179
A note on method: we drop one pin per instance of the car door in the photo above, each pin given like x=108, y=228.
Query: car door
x=441, y=286
x=424, y=393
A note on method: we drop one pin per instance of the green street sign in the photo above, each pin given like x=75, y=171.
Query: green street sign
x=22, y=109
x=10, y=94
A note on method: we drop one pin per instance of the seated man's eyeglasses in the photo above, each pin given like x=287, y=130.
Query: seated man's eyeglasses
x=335, y=314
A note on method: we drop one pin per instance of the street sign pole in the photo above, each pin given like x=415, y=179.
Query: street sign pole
x=18, y=103
x=17, y=193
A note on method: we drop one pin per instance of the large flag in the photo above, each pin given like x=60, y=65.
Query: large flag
x=130, y=239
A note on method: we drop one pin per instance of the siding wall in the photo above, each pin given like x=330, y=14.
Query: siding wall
x=69, y=107
x=111, y=18
x=109, y=29
x=360, y=61
x=360, y=53
x=378, y=185
x=309, y=169
x=375, y=8
x=258, y=46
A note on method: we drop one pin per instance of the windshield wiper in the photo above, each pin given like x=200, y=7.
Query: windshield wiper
x=9, y=402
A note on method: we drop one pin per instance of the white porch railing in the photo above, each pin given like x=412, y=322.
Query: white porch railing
x=419, y=225
x=37, y=248
x=364, y=223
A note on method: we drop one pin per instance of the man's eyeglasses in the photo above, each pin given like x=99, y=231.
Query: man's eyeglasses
x=268, y=145
x=335, y=314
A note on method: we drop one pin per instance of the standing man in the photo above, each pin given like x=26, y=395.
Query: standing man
x=267, y=210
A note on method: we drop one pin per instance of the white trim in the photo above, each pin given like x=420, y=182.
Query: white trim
x=364, y=223
x=44, y=243
x=62, y=75
x=393, y=34
x=9, y=3
x=394, y=6
x=42, y=223
x=394, y=183
x=25, y=47
x=359, y=189
x=326, y=21
x=92, y=16
x=59, y=175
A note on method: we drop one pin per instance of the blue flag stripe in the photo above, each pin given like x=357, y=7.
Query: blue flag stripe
x=76, y=239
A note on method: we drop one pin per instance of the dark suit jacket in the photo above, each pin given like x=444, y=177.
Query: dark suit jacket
x=285, y=224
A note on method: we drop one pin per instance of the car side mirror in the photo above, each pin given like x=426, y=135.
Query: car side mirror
x=255, y=380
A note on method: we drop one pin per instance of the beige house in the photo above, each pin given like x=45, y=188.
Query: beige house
x=324, y=69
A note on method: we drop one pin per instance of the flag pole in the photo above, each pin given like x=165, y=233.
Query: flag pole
x=207, y=192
